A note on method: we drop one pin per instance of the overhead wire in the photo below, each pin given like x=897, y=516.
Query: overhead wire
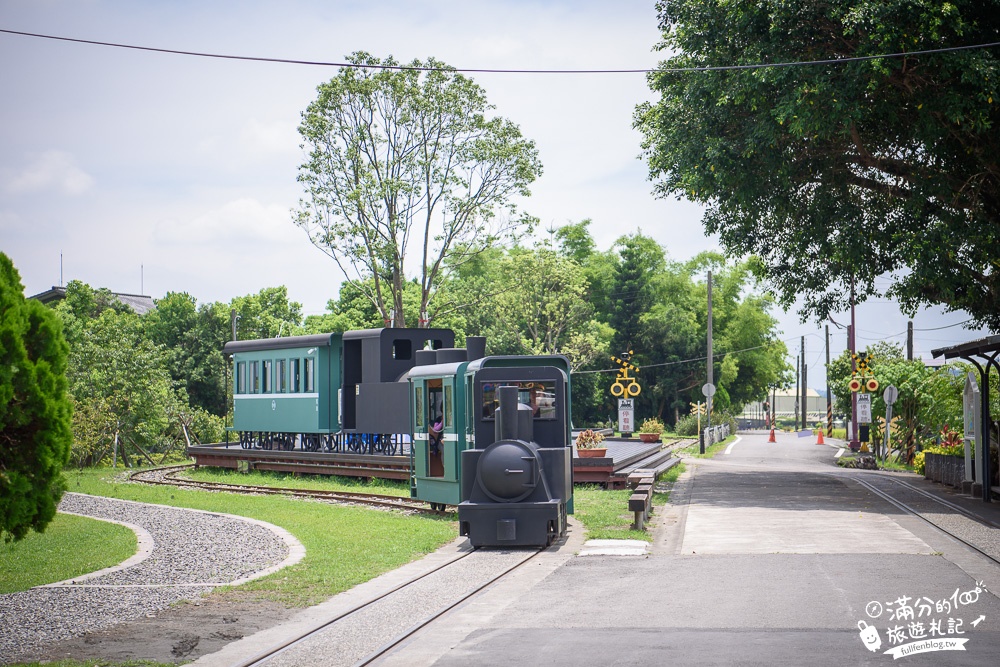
x=471, y=70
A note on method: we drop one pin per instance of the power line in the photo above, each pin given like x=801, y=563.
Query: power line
x=947, y=326
x=683, y=361
x=675, y=70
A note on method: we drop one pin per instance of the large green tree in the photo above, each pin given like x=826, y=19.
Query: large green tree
x=35, y=411
x=408, y=157
x=837, y=172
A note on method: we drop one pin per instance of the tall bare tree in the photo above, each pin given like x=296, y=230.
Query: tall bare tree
x=402, y=157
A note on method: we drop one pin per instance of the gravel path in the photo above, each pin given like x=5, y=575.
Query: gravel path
x=192, y=552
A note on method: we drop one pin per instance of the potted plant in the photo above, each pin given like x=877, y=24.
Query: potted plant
x=651, y=430
x=588, y=444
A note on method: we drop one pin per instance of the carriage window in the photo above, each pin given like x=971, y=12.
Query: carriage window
x=267, y=384
x=241, y=377
x=254, y=377
x=418, y=406
x=282, y=381
x=308, y=379
x=402, y=349
x=296, y=380
x=449, y=407
x=541, y=396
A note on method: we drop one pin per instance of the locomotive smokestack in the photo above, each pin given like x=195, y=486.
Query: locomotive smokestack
x=506, y=414
x=514, y=420
x=476, y=345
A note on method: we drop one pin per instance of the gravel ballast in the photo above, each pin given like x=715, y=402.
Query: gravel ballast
x=192, y=553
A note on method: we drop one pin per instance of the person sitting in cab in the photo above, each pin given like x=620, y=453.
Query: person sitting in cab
x=434, y=439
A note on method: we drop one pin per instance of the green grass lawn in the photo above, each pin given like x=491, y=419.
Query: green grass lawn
x=69, y=547
x=604, y=513
x=287, y=480
x=345, y=546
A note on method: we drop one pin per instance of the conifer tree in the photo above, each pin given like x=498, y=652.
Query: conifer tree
x=35, y=410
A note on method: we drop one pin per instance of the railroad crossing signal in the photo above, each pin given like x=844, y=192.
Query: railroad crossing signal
x=697, y=408
x=862, y=378
x=625, y=386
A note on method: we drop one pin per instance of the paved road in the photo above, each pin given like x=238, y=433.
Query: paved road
x=769, y=554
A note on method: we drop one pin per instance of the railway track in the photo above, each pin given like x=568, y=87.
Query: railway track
x=168, y=476
x=966, y=527
x=350, y=638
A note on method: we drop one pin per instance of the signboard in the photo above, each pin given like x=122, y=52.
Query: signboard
x=626, y=415
x=864, y=408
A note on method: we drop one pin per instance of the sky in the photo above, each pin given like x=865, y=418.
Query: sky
x=153, y=173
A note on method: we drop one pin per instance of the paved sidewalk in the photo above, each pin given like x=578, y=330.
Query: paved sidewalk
x=769, y=555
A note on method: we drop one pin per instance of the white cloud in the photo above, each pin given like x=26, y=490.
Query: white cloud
x=47, y=172
x=240, y=221
x=262, y=139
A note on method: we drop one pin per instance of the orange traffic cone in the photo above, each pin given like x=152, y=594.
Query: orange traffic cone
x=819, y=440
x=771, y=437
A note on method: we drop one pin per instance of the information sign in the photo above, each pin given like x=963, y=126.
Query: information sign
x=864, y=408
x=626, y=415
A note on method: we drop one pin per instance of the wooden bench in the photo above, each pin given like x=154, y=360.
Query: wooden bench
x=641, y=500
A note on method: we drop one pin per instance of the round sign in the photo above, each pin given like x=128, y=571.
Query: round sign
x=890, y=395
x=708, y=389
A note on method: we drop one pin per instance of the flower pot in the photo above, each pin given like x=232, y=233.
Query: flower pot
x=592, y=453
x=649, y=437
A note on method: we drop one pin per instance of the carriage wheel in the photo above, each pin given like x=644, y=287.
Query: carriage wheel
x=246, y=439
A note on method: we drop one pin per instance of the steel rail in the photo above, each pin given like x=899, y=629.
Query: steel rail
x=406, y=634
x=915, y=512
x=269, y=653
x=371, y=499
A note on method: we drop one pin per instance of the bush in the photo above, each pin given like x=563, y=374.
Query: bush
x=687, y=425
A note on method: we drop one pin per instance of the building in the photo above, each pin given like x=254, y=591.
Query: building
x=786, y=406
x=140, y=303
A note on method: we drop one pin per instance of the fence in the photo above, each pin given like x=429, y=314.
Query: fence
x=710, y=436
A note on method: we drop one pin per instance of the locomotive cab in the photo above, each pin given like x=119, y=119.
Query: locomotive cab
x=517, y=484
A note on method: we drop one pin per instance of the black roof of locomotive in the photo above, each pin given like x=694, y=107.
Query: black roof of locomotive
x=286, y=343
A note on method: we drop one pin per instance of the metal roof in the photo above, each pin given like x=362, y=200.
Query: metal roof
x=286, y=343
x=971, y=348
x=140, y=303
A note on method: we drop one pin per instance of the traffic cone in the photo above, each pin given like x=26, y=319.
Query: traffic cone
x=819, y=440
x=771, y=437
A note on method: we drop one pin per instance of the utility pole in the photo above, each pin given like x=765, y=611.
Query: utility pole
x=855, y=444
x=795, y=402
x=708, y=397
x=805, y=394
x=909, y=340
x=829, y=396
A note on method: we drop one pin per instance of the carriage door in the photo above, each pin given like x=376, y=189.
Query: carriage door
x=437, y=427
